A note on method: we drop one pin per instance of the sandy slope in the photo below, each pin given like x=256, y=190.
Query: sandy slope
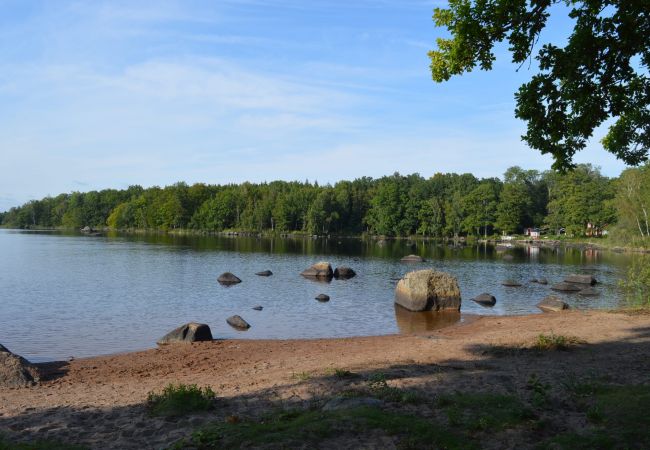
x=98, y=401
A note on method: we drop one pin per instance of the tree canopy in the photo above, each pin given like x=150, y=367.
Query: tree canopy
x=599, y=77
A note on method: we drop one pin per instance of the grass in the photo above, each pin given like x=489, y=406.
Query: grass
x=378, y=387
x=176, y=400
x=301, y=376
x=619, y=418
x=553, y=342
x=37, y=445
x=484, y=411
x=340, y=373
x=302, y=428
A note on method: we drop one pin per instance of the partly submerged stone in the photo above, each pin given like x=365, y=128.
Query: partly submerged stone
x=228, y=278
x=511, y=283
x=566, y=287
x=589, y=292
x=552, y=304
x=258, y=308
x=321, y=270
x=16, y=371
x=425, y=290
x=264, y=273
x=485, y=299
x=323, y=298
x=580, y=279
x=344, y=273
x=190, y=332
x=238, y=322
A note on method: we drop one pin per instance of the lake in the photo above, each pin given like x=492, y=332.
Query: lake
x=67, y=294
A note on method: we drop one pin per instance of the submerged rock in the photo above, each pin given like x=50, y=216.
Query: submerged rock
x=190, y=332
x=322, y=298
x=566, y=287
x=16, y=371
x=485, y=299
x=258, y=308
x=580, y=279
x=238, y=322
x=412, y=259
x=321, y=270
x=589, y=292
x=552, y=304
x=425, y=290
x=542, y=281
x=344, y=273
x=228, y=278
x=511, y=283
x=264, y=273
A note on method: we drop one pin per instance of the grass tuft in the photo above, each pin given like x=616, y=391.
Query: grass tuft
x=176, y=400
x=552, y=342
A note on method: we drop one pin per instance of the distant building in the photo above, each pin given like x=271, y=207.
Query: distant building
x=534, y=233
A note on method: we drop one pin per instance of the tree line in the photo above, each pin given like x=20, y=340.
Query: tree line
x=443, y=205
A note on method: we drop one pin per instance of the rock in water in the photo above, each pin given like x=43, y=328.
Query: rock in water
x=412, y=259
x=322, y=298
x=581, y=279
x=264, y=273
x=425, y=290
x=16, y=371
x=238, y=322
x=566, y=287
x=552, y=304
x=542, y=281
x=321, y=270
x=485, y=299
x=511, y=283
x=228, y=278
x=190, y=332
x=344, y=273
x=589, y=292
x=258, y=308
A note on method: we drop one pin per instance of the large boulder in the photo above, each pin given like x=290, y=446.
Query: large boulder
x=412, y=259
x=566, y=287
x=485, y=299
x=321, y=270
x=425, y=290
x=344, y=273
x=238, y=322
x=228, y=278
x=190, y=332
x=16, y=371
x=580, y=279
x=552, y=304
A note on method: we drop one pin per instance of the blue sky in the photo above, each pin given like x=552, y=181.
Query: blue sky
x=100, y=95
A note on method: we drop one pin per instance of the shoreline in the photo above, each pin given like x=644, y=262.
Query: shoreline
x=251, y=377
x=586, y=243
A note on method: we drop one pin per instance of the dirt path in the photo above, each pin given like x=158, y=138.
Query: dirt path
x=98, y=402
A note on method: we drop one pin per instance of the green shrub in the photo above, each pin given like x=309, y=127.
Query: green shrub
x=180, y=399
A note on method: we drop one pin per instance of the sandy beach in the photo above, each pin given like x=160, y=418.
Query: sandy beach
x=99, y=402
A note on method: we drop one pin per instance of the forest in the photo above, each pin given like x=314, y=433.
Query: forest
x=576, y=203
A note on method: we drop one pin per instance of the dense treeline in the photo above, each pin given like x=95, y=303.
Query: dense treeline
x=444, y=205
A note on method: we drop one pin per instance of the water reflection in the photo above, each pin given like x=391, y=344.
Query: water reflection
x=417, y=322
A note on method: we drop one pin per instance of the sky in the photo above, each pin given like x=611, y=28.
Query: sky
x=107, y=94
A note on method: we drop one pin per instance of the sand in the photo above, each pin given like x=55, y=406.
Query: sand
x=99, y=402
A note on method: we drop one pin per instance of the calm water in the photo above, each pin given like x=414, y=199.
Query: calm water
x=65, y=295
